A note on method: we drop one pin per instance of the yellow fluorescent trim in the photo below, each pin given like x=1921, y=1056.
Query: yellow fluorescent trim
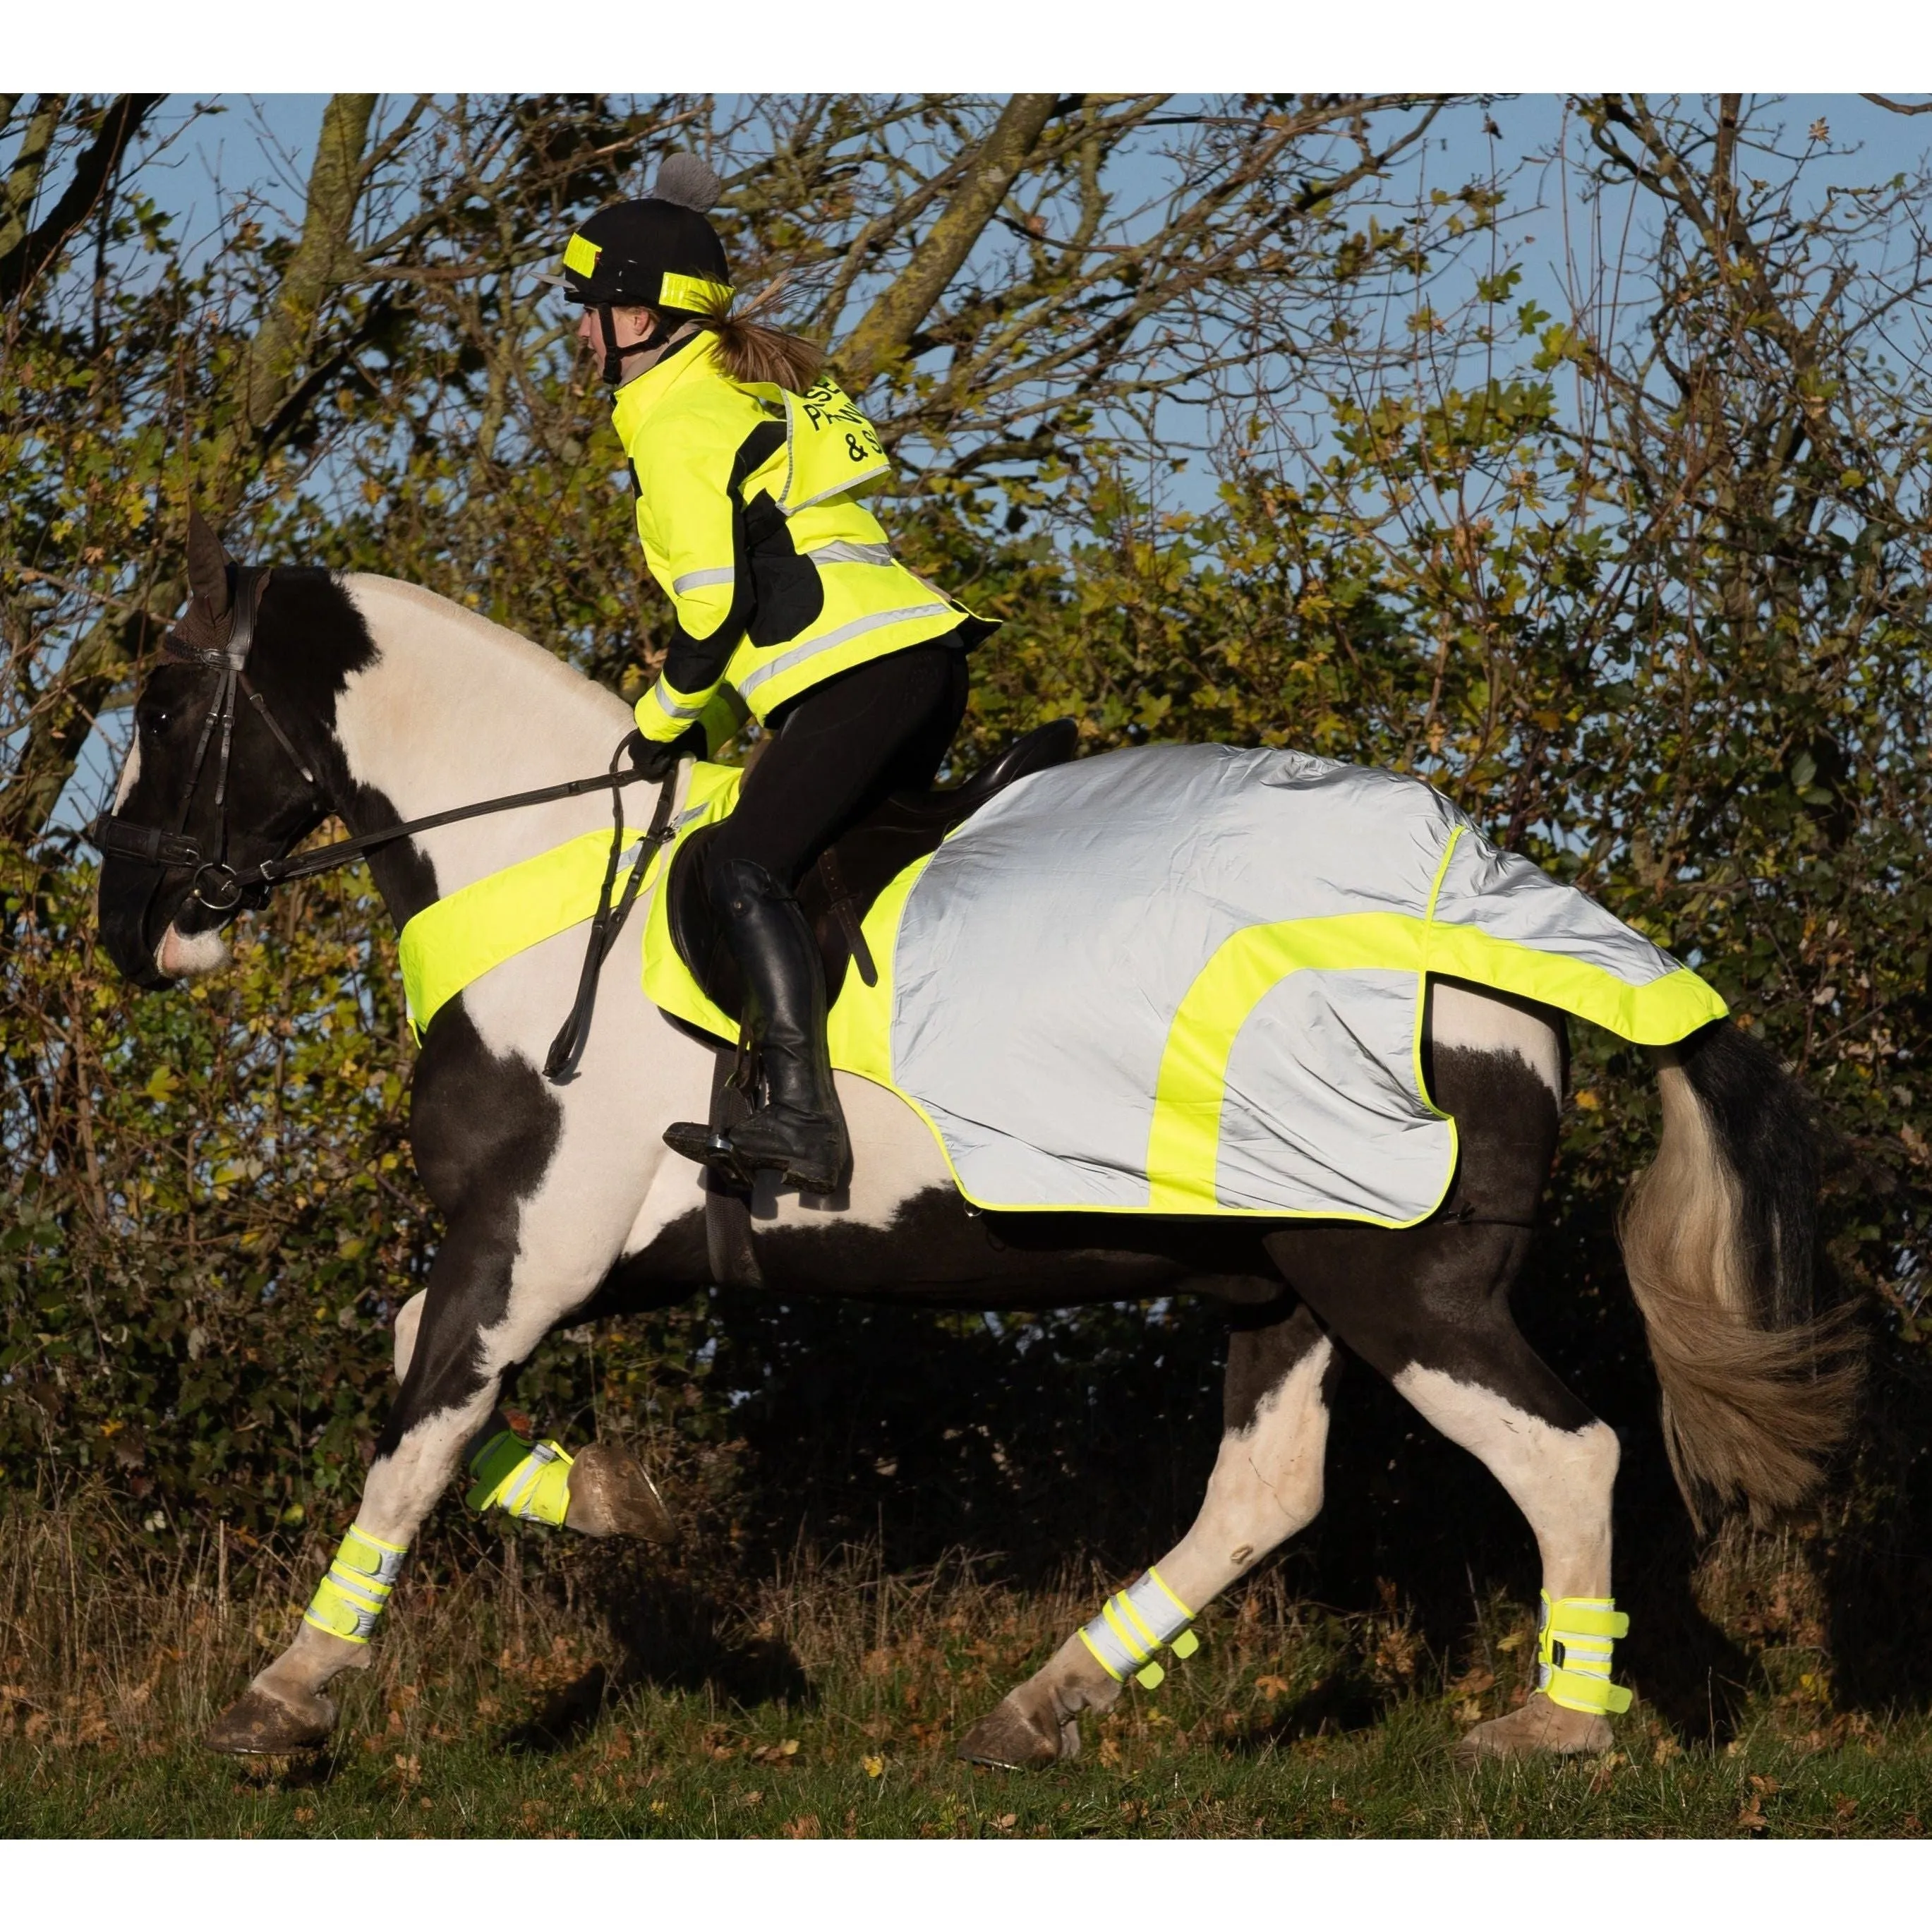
x=860, y=1030
x=694, y=292
x=448, y=945
x=1183, y=1144
x=1656, y=1014
x=580, y=256
x=1161, y=1583
x=1184, y=1141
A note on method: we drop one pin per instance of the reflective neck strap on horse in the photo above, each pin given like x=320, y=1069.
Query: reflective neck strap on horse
x=152, y=846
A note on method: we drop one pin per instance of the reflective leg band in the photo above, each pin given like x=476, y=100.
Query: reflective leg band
x=1133, y=1626
x=1573, y=1644
x=530, y=1481
x=348, y=1600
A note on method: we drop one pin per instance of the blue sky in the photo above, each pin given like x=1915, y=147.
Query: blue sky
x=262, y=145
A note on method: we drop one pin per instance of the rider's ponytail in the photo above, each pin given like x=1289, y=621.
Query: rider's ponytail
x=750, y=352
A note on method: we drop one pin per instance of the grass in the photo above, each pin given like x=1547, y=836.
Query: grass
x=534, y=1687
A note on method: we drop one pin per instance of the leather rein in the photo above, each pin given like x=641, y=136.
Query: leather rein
x=221, y=888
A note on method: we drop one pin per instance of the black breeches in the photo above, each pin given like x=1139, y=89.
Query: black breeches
x=838, y=749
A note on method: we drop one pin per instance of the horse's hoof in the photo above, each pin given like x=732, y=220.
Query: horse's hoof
x=1011, y=1738
x=610, y=1496
x=1540, y=1728
x=256, y=1725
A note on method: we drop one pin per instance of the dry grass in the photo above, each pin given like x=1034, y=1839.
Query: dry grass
x=535, y=1685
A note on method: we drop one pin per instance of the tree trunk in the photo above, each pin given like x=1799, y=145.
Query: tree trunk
x=885, y=331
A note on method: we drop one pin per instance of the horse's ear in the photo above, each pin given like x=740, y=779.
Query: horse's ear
x=207, y=564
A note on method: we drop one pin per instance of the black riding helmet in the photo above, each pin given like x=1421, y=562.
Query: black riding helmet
x=660, y=254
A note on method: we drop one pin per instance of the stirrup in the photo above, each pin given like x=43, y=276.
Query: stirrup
x=709, y=1147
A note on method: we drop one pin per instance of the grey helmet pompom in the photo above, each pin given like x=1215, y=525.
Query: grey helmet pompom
x=688, y=181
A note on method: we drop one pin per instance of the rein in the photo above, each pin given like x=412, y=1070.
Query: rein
x=113, y=836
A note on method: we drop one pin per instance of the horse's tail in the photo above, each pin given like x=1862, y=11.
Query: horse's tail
x=1717, y=1237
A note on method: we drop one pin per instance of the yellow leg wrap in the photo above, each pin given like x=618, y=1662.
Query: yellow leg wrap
x=530, y=1481
x=355, y=1592
x=1133, y=1625
x=1573, y=1645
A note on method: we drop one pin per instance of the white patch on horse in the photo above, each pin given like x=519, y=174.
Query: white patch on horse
x=1461, y=1017
x=1266, y=1484
x=130, y=772
x=409, y=1319
x=895, y=1158
x=455, y=709
x=1560, y=1478
x=191, y=955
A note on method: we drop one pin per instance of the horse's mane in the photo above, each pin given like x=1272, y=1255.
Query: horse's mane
x=479, y=633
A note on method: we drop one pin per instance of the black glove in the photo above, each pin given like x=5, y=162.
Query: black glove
x=657, y=760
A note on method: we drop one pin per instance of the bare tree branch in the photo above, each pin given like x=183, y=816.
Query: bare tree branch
x=887, y=327
x=22, y=260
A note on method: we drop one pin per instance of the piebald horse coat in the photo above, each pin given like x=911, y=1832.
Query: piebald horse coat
x=560, y=1200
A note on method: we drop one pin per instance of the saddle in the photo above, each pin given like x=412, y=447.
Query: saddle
x=838, y=892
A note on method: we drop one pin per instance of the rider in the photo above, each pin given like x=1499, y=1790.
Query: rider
x=747, y=463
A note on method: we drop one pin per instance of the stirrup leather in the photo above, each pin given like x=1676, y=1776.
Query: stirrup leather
x=1573, y=1642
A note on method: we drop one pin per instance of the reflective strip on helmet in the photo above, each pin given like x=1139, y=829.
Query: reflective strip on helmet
x=798, y=655
x=696, y=580
x=842, y=552
x=580, y=256
x=694, y=292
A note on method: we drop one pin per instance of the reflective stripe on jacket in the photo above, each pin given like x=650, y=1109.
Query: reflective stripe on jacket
x=779, y=577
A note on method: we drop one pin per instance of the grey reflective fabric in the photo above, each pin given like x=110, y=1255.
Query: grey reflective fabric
x=797, y=655
x=696, y=580
x=842, y=552
x=1047, y=948
x=1322, y=1114
x=678, y=707
x=1048, y=945
x=1510, y=899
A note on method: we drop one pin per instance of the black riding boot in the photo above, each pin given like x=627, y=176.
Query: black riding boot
x=800, y=1130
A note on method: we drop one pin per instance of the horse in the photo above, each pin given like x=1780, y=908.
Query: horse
x=379, y=703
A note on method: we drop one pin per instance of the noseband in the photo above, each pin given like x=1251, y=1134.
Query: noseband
x=217, y=885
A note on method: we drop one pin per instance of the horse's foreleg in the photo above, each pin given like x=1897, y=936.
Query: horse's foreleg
x=470, y=1331
x=602, y=1491
x=1266, y=1485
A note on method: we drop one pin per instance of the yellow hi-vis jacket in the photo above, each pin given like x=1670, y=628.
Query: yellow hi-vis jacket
x=745, y=507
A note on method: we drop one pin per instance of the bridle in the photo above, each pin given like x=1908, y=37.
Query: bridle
x=221, y=887
x=216, y=884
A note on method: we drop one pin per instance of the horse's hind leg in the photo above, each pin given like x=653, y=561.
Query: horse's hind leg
x=1266, y=1485
x=1429, y=1306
